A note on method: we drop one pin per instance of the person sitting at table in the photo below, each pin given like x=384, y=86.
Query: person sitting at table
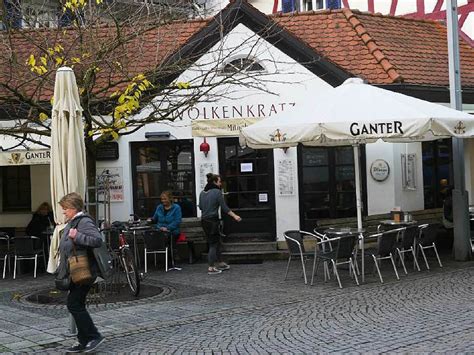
x=42, y=219
x=168, y=217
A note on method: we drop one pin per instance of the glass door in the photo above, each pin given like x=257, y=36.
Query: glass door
x=248, y=186
x=160, y=166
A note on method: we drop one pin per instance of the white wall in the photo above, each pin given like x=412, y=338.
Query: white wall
x=274, y=89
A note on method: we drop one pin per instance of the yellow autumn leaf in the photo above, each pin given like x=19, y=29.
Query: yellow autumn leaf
x=31, y=60
x=114, y=135
x=76, y=60
x=43, y=117
x=59, y=60
x=44, y=61
x=58, y=48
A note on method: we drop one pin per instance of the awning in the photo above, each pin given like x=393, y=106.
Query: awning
x=25, y=157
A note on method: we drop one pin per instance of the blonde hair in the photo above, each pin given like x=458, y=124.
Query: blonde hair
x=72, y=201
x=168, y=194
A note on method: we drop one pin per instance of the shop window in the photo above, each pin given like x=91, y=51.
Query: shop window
x=242, y=65
x=16, y=188
x=437, y=171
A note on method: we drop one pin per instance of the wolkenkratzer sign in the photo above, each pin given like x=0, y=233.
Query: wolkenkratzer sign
x=376, y=128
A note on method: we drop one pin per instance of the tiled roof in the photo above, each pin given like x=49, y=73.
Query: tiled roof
x=139, y=55
x=381, y=49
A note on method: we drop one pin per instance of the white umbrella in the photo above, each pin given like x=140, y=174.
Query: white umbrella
x=357, y=113
x=68, y=154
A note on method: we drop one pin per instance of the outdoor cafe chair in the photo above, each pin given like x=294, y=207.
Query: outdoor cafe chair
x=338, y=251
x=426, y=240
x=407, y=245
x=4, y=252
x=27, y=248
x=295, y=244
x=155, y=243
x=386, y=244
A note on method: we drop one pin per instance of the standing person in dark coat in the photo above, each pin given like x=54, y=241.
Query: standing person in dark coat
x=82, y=234
x=210, y=200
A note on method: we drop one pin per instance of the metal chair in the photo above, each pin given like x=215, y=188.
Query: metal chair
x=155, y=243
x=4, y=252
x=407, y=245
x=27, y=248
x=386, y=244
x=294, y=241
x=426, y=240
x=338, y=251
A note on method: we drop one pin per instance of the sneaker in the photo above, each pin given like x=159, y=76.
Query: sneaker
x=211, y=270
x=76, y=348
x=223, y=266
x=93, y=344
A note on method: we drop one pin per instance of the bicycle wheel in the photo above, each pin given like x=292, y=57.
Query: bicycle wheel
x=133, y=279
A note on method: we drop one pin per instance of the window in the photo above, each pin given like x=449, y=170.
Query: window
x=16, y=188
x=437, y=171
x=242, y=65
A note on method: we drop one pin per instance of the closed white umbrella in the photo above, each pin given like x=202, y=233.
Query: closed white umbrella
x=356, y=113
x=68, y=154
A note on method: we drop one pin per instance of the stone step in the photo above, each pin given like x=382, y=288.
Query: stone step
x=251, y=257
x=249, y=247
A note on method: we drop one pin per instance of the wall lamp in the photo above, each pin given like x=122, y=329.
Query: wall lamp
x=205, y=147
x=158, y=135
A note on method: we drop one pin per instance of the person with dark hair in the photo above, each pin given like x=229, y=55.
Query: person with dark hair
x=210, y=200
x=42, y=219
x=79, y=236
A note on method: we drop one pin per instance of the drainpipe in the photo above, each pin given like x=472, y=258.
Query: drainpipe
x=462, y=244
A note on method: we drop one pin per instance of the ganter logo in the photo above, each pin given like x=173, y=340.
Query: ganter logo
x=460, y=128
x=15, y=158
x=277, y=136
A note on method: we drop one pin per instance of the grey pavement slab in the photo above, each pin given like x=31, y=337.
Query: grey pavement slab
x=250, y=309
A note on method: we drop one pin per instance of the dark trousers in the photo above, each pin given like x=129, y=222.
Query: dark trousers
x=76, y=304
x=211, y=229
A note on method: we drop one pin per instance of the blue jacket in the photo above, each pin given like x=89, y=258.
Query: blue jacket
x=171, y=220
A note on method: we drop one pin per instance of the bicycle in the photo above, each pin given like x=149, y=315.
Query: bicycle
x=120, y=248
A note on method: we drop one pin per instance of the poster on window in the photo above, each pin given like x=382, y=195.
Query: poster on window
x=204, y=169
x=110, y=180
x=409, y=171
x=286, y=183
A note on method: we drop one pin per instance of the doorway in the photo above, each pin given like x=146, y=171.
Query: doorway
x=249, y=190
x=160, y=166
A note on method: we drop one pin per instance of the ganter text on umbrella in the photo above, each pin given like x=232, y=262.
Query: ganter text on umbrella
x=376, y=128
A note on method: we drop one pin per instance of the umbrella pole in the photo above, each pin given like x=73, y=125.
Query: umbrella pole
x=357, y=185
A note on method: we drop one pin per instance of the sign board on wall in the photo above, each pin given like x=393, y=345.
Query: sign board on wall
x=25, y=157
x=409, y=171
x=223, y=127
x=204, y=169
x=379, y=170
x=114, y=178
x=286, y=184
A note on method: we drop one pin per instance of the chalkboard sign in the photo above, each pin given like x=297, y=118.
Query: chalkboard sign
x=315, y=157
x=107, y=151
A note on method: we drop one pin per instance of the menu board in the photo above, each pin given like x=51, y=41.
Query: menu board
x=286, y=182
x=204, y=169
x=409, y=171
x=110, y=180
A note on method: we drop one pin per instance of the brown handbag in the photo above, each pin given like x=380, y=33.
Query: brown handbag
x=79, y=268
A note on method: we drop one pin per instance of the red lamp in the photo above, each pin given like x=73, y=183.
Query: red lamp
x=205, y=147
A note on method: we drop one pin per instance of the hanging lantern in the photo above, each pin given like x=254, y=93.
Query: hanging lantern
x=205, y=147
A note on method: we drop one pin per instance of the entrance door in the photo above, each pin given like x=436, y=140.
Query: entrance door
x=327, y=184
x=248, y=190
x=160, y=166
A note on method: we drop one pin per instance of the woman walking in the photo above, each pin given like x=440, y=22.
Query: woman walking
x=79, y=235
x=210, y=200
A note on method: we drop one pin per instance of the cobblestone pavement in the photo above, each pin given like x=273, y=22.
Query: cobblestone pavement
x=250, y=309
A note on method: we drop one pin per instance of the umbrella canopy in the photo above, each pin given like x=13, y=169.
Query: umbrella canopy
x=357, y=113
x=68, y=154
